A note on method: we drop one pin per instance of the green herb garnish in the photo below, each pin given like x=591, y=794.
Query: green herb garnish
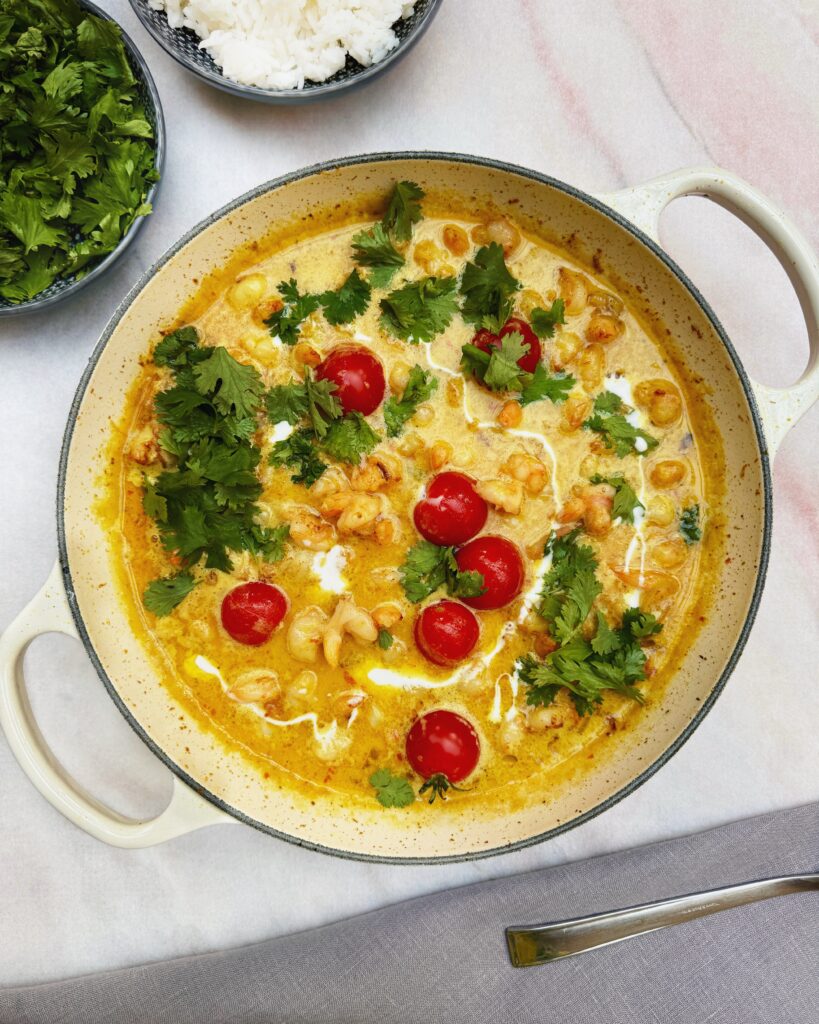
x=608, y=420
x=350, y=438
x=419, y=310
x=544, y=321
x=690, y=528
x=76, y=147
x=299, y=453
x=347, y=302
x=542, y=384
x=428, y=567
x=391, y=790
x=403, y=210
x=498, y=368
x=420, y=386
x=310, y=399
x=625, y=498
x=487, y=288
x=286, y=322
x=374, y=250
x=385, y=639
x=162, y=596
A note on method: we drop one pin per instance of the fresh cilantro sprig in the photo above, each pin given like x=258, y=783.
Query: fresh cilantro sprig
x=350, y=438
x=429, y=567
x=373, y=249
x=610, y=659
x=487, y=288
x=205, y=506
x=309, y=399
x=403, y=210
x=286, y=322
x=419, y=310
x=625, y=500
x=348, y=301
x=421, y=384
x=609, y=420
x=498, y=370
x=391, y=790
x=554, y=386
x=299, y=453
x=544, y=321
x=690, y=528
x=77, y=149
x=385, y=639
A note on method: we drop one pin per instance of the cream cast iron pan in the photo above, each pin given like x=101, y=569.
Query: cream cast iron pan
x=213, y=784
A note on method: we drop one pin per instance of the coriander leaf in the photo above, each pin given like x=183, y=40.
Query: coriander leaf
x=609, y=421
x=176, y=348
x=350, y=438
x=640, y=624
x=286, y=322
x=311, y=399
x=420, y=309
x=498, y=368
x=22, y=216
x=487, y=288
x=690, y=529
x=286, y=403
x=374, y=249
x=625, y=499
x=298, y=452
x=391, y=790
x=542, y=384
x=385, y=639
x=428, y=567
x=569, y=587
x=404, y=210
x=162, y=596
x=544, y=321
x=234, y=387
x=605, y=639
x=348, y=301
x=269, y=542
x=420, y=386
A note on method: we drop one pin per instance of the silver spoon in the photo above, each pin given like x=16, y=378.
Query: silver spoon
x=559, y=939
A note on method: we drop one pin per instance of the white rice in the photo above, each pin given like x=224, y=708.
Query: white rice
x=279, y=44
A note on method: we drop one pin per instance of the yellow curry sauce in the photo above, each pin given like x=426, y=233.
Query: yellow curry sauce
x=332, y=725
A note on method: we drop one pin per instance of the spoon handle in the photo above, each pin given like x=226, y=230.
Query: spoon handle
x=556, y=940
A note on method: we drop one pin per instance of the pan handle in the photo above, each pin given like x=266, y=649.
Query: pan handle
x=780, y=408
x=49, y=612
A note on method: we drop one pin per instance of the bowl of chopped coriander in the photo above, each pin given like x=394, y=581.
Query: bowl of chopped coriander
x=82, y=143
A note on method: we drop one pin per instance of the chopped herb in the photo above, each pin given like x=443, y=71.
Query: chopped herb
x=77, y=151
x=542, y=384
x=385, y=639
x=420, y=309
x=286, y=322
x=487, y=288
x=162, y=596
x=373, y=249
x=690, y=528
x=625, y=499
x=498, y=368
x=428, y=567
x=391, y=790
x=205, y=507
x=298, y=452
x=610, y=422
x=350, y=438
x=420, y=386
x=544, y=321
x=612, y=659
x=347, y=302
x=311, y=399
x=404, y=210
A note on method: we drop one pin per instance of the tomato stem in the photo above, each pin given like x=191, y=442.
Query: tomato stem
x=438, y=784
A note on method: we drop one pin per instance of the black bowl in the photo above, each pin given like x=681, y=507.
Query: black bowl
x=62, y=287
x=184, y=46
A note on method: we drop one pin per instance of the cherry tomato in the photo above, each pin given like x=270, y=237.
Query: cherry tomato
x=446, y=632
x=500, y=563
x=452, y=510
x=252, y=611
x=444, y=749
x=357, y=375
x=486, y=340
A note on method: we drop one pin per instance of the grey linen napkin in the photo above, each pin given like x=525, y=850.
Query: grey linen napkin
x=441, y=959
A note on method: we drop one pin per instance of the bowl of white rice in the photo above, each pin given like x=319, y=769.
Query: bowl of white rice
x=286, y=51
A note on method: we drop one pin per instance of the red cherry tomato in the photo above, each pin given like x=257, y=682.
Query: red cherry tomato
x=443, y=748
x=452, y=510
x=252, y=611
x=357, y=375
x=486, y=340
x=446, y=632
x=500, y=563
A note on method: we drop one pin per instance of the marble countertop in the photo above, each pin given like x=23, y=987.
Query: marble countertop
x=599, y=94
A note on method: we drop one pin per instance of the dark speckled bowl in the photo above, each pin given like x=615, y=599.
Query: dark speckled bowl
x=65, y=286
x=183, y=45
